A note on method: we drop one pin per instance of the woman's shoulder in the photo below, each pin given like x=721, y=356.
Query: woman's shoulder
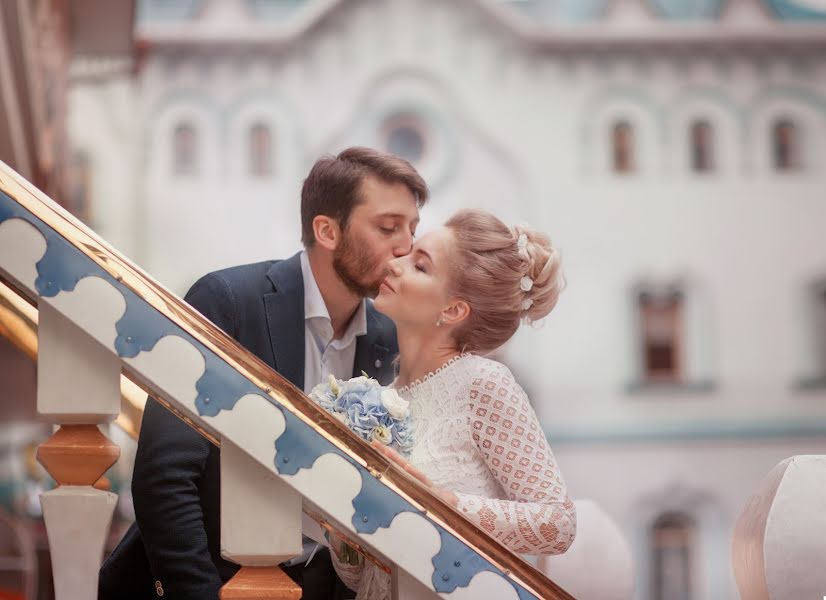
x=488, y=373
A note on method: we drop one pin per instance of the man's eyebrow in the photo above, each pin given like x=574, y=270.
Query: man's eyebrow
x=395, y=216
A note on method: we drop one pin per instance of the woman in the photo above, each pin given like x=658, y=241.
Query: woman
x=462, y=292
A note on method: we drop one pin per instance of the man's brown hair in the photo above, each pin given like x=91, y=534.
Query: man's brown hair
x=333, y=186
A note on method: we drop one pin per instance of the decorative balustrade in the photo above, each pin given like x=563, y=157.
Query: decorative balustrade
x=101, y=317
x=779, y=540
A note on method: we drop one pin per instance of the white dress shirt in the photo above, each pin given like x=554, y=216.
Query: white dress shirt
x=322, y=354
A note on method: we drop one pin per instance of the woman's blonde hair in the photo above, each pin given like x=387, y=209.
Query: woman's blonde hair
x=506, y=275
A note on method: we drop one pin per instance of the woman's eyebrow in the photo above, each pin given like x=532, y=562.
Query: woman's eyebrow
x=419, y=250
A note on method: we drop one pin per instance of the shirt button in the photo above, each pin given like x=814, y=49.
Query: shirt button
x=378, y=364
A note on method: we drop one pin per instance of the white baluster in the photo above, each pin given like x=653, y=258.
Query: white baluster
x=779, y=541
x=260, y=527
x=78, y=385
x=77, y=521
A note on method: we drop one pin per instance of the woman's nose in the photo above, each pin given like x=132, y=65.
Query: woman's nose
x=396, y=267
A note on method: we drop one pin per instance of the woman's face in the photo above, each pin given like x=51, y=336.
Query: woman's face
x=416, y=289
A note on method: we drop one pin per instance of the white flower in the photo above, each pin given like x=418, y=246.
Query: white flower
x=526, y=283
x=397, y=407
x=527, y=304
x=382, y=434
x=363, y=378
x=340, y=416
x=334, y=385
x=522, y=241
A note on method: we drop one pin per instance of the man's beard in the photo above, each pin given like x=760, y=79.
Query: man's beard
x=354, y=264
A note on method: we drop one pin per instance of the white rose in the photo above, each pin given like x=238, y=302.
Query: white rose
x=397, y=407
x=334, y=387
x=382, y=434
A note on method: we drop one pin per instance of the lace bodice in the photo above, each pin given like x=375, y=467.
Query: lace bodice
x=477, y=435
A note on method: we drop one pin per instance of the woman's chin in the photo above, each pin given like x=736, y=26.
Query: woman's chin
x=386, y=306
x=380, y=302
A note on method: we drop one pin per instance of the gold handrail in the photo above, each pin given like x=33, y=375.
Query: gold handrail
x=271, y=383
x=18, y=324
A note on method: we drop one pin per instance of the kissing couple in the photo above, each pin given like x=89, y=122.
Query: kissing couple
x=419, y=315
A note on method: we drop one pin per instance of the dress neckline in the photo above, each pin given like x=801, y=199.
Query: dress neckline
x=413, y=385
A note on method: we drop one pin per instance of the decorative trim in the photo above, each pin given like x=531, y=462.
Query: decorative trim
x=675, y=432
x=789, y=10
x=799, y=94
x=684, y=10
x=660, y=389
x=184, y=358
x=715, y=95
x=534, y=32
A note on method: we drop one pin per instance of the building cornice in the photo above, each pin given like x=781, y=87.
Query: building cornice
x=606, y=34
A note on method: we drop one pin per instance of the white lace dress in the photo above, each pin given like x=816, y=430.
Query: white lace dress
x=477, y=435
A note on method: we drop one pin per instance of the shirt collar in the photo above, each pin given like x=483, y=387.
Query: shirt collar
x=314, y=306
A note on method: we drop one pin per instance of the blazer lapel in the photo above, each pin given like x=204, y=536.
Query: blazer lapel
x=285, y=319
x=372, y=356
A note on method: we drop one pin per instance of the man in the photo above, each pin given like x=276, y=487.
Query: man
x=307, y=317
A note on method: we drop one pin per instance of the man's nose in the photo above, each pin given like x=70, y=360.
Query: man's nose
x=404, y=246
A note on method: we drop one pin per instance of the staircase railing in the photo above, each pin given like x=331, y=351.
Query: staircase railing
x=100, y=316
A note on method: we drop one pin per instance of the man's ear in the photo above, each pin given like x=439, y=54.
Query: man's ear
x=326, y=231
x=456, y=312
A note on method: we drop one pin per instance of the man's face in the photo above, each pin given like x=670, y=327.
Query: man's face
x=381, y=227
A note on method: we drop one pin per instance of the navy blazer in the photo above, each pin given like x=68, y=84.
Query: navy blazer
x=175, y=542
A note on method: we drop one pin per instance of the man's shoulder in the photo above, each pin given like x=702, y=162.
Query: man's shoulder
x=242, y=274
x=252, y=277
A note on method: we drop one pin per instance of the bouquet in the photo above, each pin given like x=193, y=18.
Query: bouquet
x=368, y=409
x=373, y=413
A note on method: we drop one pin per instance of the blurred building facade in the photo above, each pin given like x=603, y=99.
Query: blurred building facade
x=41, y=44
x=674, y=149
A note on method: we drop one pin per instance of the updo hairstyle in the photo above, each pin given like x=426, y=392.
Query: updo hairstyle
x=506, y=275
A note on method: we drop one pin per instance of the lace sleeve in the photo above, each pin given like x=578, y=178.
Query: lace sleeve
x=537, y=516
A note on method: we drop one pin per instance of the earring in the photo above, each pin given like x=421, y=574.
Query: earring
x=439, y=322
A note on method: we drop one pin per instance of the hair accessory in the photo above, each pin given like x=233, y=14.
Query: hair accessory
x=527, y=303
x=526, y=283
x=522, y=241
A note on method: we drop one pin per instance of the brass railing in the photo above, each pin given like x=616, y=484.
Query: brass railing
x=18, y=324
x=20, y=321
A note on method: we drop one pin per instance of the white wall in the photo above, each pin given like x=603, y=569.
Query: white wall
x=521, y=129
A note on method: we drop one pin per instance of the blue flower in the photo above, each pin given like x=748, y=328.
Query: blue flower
x=358, y=403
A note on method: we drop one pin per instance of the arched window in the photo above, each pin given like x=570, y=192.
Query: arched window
x=622, y=144
x=702, y=147
x=661, y=322
x=672, y=545
x=185, y=149
x=405, y=135
x=260, y=150
x=785, y=145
